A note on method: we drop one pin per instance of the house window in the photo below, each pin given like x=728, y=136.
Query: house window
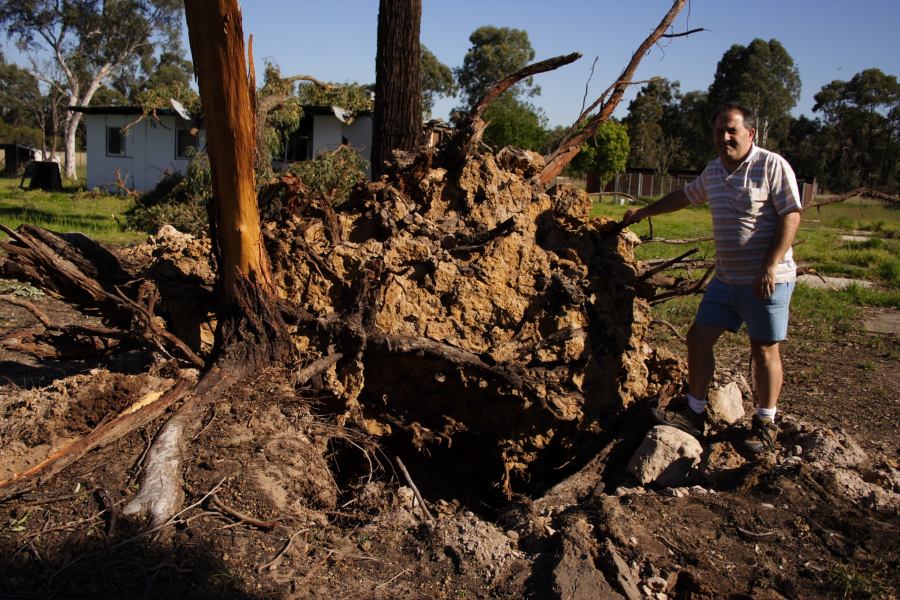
x=185, y=143
x=115, y=141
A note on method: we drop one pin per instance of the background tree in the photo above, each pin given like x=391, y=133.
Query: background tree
x=169, y=77
x=514, y=122
x=605, y=153
x=862, y=120
x=87, y=42
x=763, y=77
x=354, y=97
x=23, y=108
x=437, y=81
x=652, y=145
x=688, y=122
x=397, y=122
x=806, y=148
x=495, y=53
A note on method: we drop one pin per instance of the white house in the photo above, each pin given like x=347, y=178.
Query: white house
x=143, y=151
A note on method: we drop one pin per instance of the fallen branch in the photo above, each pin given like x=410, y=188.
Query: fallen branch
x=101, y=436
x=671, y=327
x=864, y=192
x=664, y=265
x=696, y=288
x=648, y=240
x=571, y=144
x=414, y=489
x=59, y=263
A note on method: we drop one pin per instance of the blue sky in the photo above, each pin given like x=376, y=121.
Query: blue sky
x=828, y=40
x=335, y=41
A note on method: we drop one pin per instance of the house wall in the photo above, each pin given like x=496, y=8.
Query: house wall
x=327, y=133
x=359, y=135
x=149, y=151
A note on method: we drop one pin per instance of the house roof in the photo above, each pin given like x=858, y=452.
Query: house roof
x=314, y=109
x=118, y=110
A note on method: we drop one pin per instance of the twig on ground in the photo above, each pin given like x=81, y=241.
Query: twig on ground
x=243, y=518
x=414, y=488
x=754, y=534
x=274, y=562
x=705, y=238
x=671, y=327
x=34, y=310
x=208, y=423
x=381, y=585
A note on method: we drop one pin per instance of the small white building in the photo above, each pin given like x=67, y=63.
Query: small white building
x=122, y=147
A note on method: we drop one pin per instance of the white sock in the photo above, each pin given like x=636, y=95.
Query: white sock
x=697, y=405
x=766, y=413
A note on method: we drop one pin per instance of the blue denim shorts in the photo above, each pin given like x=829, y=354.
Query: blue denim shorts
x=728, y=306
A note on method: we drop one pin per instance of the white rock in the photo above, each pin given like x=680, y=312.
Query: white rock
x=665, y=457
x=657, y=583
x=725, y=404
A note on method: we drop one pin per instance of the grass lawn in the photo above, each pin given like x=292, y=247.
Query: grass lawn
x=824, y=313
x=96, y=215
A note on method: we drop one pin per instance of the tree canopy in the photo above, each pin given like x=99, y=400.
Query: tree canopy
x=860, y=139
x=514, y=122
x=763, y=77
x=495, y=53
x=437, y=81
x=605, y=154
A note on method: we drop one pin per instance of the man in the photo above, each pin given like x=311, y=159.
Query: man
x=755, y=206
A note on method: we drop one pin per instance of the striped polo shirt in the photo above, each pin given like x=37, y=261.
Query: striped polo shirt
x=746, y=206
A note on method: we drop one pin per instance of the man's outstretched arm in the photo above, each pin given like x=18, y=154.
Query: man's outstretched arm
x=671, y=202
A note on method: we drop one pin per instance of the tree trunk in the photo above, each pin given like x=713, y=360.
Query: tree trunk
x=217, y=47
x=72, y=121
x=398, y=81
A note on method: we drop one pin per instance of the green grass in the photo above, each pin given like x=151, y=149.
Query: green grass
x=96, y=215
x=876, y=259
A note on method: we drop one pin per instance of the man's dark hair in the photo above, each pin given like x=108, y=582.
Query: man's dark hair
x=746, y=112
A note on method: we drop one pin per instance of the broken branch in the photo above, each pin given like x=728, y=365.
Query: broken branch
x=571, y=144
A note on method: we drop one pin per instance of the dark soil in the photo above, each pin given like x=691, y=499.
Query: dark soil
x=342, y=523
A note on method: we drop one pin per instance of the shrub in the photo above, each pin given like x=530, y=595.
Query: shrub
x=332, y=174
x=177, y=200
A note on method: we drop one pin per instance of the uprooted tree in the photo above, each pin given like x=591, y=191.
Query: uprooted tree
x=455, y=308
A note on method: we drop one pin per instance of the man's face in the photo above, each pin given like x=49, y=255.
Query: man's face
x=731, y=138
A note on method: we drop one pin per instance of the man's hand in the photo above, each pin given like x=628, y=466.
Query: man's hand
x=764, y=285
x=633, y=215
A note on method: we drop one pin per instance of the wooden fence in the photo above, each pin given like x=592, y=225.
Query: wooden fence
x=647, y=184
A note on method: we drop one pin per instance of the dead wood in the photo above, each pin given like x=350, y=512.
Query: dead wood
x=677, y=241
x=587, y=126
x=471, y=129
x=64, y=264
x=863, y=192
x=141, y=413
